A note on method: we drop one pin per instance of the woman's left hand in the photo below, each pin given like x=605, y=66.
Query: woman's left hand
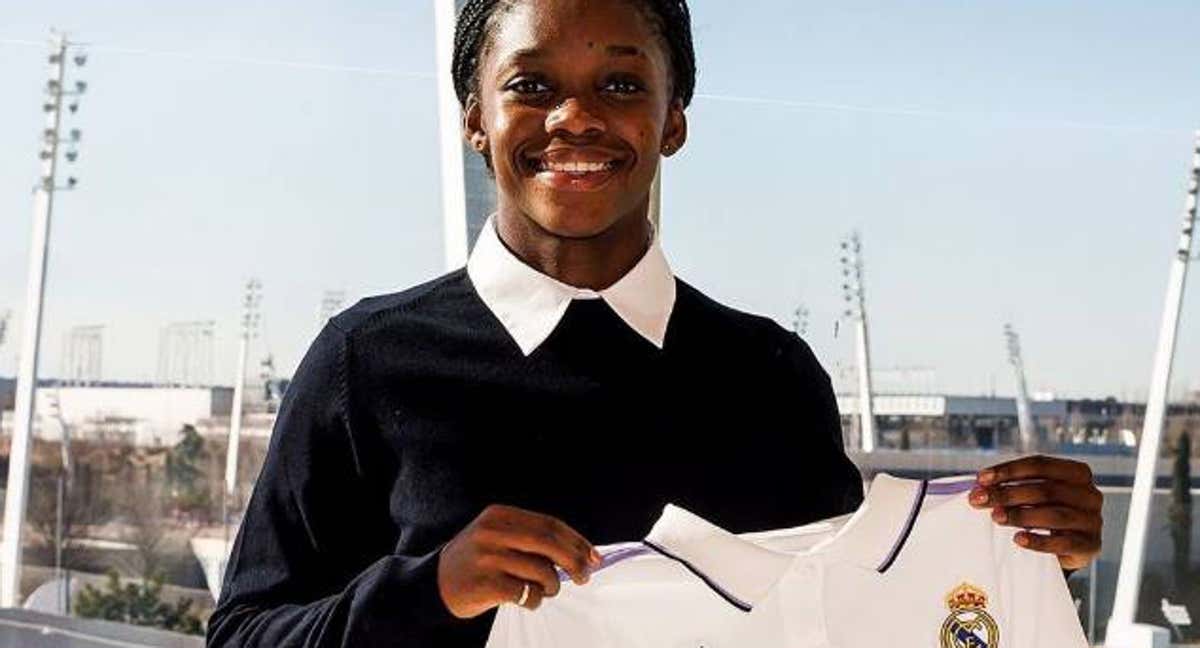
x=1040, y=492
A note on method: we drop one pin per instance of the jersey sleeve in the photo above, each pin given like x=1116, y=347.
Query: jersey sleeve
x=312, y=564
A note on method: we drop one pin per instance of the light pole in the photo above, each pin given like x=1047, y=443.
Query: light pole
x=1028, y=441
x=249, y=328
x=856, y=310
x=1122, y=631
x=17, y=494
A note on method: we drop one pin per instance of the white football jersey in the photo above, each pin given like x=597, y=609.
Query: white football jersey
x=915, y=565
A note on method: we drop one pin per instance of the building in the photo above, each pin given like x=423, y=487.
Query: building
x=1076, y=426
x=142, y=414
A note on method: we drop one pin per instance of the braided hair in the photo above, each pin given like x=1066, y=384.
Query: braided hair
x=476, y=21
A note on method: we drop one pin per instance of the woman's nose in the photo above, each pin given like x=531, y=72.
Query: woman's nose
x=574, y=117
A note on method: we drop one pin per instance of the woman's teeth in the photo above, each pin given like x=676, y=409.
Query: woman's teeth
x=575, y=167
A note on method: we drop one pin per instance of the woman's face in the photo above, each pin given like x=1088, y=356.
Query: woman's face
x=574, y=109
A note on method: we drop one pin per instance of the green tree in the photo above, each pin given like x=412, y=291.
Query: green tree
x=138, y=604
x=184, y=475
x=1180, y=512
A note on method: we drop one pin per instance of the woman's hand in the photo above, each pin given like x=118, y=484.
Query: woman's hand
x=501, y=551
x=1041, y=492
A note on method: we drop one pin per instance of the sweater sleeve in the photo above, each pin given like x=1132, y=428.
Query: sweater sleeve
x=844, y=481
x=307, y=568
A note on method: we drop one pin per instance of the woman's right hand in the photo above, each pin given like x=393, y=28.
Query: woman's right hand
x=490, y=561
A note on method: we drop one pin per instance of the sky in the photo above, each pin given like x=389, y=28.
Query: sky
x=1013, y=161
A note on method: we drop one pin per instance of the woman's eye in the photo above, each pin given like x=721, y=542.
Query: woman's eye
x=527, y=86
x=623, y=86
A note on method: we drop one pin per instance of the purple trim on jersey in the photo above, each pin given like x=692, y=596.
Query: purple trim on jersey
x=609, y=559
x=925, y=488
x=712, y=584
x=908, y=525
x=951, y=487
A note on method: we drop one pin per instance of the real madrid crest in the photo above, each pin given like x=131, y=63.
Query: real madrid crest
x=969, y=624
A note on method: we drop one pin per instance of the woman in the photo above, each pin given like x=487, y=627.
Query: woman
x=442, y=449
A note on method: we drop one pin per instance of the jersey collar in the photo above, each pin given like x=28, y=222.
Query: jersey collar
x=743, y=571
x=737, y=569
x=875, y=534
x=530, y=304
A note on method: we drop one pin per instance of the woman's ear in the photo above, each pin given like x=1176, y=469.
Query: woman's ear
x=473, y=131
x=675, y=129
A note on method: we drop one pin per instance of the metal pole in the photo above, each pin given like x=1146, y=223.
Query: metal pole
x=867, y=408
x=1092, y=603
x=58, y=540
x=235, y=420
x=655, y=210
x=454, y=196
x=249, y=326
x=1028, y=440
x=1129, y=577
x=856, y=301
x=17, y=495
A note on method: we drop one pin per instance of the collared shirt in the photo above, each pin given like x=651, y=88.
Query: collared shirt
x=915, y=565
x=530, y=304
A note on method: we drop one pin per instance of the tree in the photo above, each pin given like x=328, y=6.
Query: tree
x=185, y=478
x=137, y=603
x=1180, y=512
x=83, y=504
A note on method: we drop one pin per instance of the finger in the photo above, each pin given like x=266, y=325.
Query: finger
x=1060, y=543
x=548, y=537
x=1054, y=518
x=1087, y=498
x=1036, y=467
x=508, y=589
x=531, y=568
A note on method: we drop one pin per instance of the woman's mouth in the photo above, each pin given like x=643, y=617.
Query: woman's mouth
x=574, y=175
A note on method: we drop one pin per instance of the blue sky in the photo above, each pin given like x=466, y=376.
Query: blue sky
x=1006, y=161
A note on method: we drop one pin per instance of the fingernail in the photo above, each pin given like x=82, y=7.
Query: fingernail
x=595, y=557
x=987, y=476
x=1022, y=539
x=979, y=497
x=1000, y=515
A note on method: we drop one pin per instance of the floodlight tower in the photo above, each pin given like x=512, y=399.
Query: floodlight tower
x=856, y=310
x=250, y=319
x=1122, y=631
x=1028, y=429
x=331, y=303
x=53, y=143
x=800, y=320
x=83, y=355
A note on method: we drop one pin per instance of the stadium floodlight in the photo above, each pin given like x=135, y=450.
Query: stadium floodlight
x=71, y=182
x=81, y=59
x=73, y=107
x=71, y=155
x=81, y=86
x=76, y=134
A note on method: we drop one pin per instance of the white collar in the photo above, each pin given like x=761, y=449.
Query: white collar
x=530, y=304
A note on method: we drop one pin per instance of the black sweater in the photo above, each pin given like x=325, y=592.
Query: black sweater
x=413, y=411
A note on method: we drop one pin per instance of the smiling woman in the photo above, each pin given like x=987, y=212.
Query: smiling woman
x=572, y=104
x=446, y=449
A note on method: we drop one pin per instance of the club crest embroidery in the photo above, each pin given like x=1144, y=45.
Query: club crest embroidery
x=969, y=625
